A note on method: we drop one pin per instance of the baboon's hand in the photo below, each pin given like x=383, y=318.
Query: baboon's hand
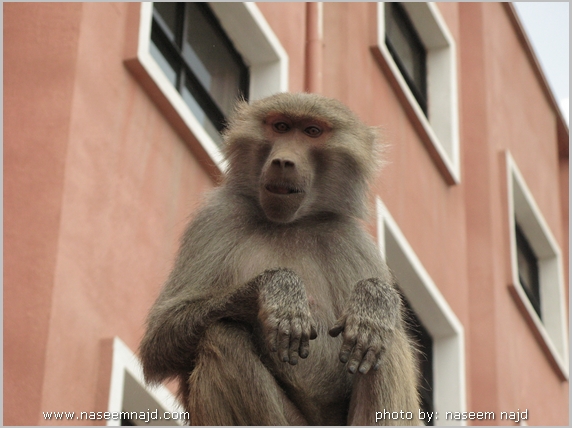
x=285, y=314
x=368, y=324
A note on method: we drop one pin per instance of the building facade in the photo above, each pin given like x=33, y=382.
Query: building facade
x=112, y=113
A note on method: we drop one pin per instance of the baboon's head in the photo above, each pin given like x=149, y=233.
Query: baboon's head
x=299, y=155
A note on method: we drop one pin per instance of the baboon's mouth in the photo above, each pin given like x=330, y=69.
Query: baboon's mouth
x=282, y=189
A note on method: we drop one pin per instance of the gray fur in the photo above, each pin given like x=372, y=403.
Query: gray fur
x=243, y=319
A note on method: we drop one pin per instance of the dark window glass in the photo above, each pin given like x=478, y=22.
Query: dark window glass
x=166, y=15
x=528, y=269
x=407, y=51
x=424, y=343
x=199, y=59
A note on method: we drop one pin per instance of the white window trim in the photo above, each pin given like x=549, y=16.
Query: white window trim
x=432, y=309
x=128, y=391
x=255, y=41
x=442, y=128
x=551, y=331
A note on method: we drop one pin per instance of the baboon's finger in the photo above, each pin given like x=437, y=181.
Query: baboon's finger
x=368, y=360
x=350, y=340
x=377, y=363
x=283, y=340
x=356, y=357
x=305, y=340
x=295, y=337
x=271, y=338
x=313, y=332
x=304, y=348
x=338, y=327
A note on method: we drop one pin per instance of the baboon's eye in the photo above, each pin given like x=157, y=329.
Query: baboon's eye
x=313, y=131
x=281, y=127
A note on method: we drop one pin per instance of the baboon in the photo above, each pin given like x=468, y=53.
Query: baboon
x=279, y=309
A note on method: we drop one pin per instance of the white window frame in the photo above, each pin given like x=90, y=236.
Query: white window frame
x=551, y=331
x=447, y=332
x=251, y=35
x=442, y=128
x=129, y=393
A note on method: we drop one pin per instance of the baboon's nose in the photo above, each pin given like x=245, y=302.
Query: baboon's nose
x=283, y=163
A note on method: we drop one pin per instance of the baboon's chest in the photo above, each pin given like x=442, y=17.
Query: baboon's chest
x=322, y=371
x=324, y=290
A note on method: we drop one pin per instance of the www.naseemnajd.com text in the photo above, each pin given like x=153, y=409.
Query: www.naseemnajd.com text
x=143, y=416
x=515, y=416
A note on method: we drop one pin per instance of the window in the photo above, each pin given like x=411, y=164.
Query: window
x=407, y=50
x=424, y=343
x=433, y=324
x=527, y=269
x=132, y=400
x=537, y=279
x=418, y=54
x=198, y=58
x=194, y=88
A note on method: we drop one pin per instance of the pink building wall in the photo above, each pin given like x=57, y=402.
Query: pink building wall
x=99, y=185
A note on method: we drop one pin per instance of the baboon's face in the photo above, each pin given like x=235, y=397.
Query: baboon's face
x=288, y=173
x=300, y=155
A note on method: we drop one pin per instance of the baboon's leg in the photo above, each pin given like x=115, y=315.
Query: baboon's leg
x=392, y=388
x=230, y=385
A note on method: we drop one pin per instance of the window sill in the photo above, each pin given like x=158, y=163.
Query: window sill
x=552, y=331
x=450, y=173
x=439, y=132
x=538, y=330
x=170, y=103
x=144, y=68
